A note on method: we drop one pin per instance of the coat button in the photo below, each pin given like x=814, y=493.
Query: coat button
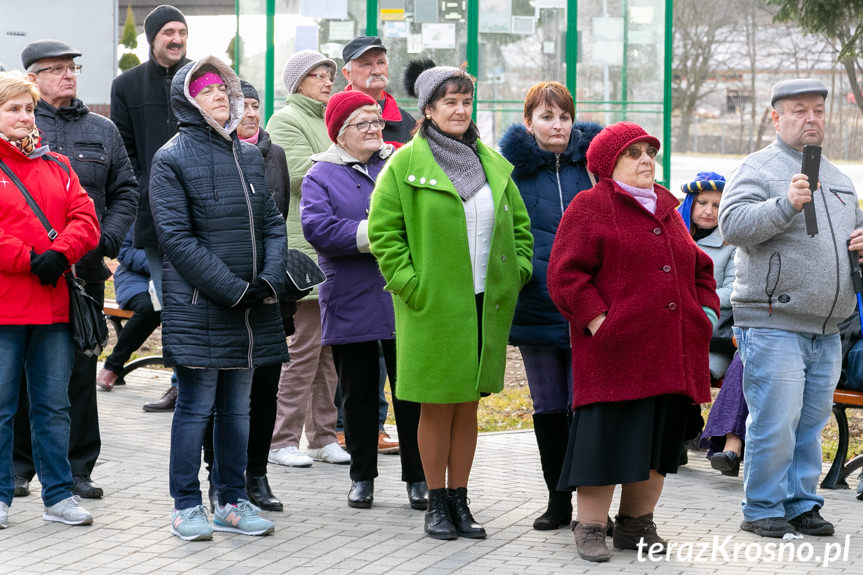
x=657, y=231
x=411, y=178
x=506, y=207
x=672, y=306
x=433, y=182
x=666, y=269
x=497, y=306
x=422, y=180
x=503, y=258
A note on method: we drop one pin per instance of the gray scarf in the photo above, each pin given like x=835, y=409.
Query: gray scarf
x=458, y=159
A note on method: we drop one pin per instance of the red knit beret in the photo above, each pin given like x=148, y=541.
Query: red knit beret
x=608, y=144
x=341, y=106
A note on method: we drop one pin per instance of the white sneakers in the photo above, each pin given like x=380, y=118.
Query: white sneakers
x=293, y=457
x=68, y=511
x=4, y=515
x=332, y=453
x=290, y=456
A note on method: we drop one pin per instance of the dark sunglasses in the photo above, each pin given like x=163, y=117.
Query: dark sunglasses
x=634, y=152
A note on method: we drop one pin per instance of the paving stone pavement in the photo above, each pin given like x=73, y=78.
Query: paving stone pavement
x=318, y=533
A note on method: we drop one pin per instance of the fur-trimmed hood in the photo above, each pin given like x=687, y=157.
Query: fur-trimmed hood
x=519, y=147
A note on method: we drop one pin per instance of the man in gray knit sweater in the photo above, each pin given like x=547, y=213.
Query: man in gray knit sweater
x=790, y=292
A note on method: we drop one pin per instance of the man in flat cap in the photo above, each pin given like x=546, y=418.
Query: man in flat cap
x=367, y=70
x=97, y=154
x=141, y=108
x=790, y=292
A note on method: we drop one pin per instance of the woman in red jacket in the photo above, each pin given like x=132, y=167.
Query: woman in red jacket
x=34, y=299
x=641, y=302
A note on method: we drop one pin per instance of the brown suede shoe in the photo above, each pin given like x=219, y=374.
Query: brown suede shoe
x=630, y=531
x=590, y=542
x=106, y=379
x=386, y=444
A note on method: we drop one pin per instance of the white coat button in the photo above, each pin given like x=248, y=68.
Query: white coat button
x=672, y=306
x=666, y=269
x=657, y=231
x=503, y=258
x=411, y=178
x=497, y=306
x=506, y=207
x=433, y=182
x=422, y=180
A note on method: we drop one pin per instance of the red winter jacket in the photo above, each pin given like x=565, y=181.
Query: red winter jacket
x=612, y=255
x=23, y=300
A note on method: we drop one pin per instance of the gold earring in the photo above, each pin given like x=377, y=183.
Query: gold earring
x=428, y=116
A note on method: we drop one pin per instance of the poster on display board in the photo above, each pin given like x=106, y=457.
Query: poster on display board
x=495, y=16
x=324, y=9
x=342, y=30
x=438, y=36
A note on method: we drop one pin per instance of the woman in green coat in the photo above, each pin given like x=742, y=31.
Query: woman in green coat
x=452, y=238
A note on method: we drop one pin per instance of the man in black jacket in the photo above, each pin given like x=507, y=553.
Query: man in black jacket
x=141, y=109
x=95, y=149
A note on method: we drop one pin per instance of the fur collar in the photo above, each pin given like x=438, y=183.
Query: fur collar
x=519, y=147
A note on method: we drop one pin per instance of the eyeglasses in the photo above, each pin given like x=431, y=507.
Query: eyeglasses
x=635, y=152
x=60, y=70
x=366, y=126
x=322, y=76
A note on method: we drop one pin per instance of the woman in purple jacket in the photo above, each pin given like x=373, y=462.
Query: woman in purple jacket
x=356, y=312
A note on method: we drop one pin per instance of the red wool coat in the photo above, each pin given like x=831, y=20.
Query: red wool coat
x=612, y=255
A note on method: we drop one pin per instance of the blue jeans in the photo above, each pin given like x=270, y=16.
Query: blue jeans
x=549, y=377
x=788, y=383
x=201, y=392
x=45, y=353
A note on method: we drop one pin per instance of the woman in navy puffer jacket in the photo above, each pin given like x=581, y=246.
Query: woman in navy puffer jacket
x=548, y=155
x=224, y=245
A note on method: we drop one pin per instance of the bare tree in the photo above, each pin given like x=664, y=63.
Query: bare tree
x=699, y=27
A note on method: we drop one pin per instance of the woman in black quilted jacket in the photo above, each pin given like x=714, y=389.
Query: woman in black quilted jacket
x=224, y=246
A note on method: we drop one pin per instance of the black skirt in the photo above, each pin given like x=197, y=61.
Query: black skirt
x=620, y=442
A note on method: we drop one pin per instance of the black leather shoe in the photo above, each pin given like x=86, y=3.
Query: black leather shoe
x=362, y=494
x=83, y=487
x=726, y=462
x=557, y=514
x=259, y=492
x=438, y=523
x=418, y=494
x=167, y=403
x=465, y=524
x=22, y=486
x=213, y=496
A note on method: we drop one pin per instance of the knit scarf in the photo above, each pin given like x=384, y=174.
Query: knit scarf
x=645, y=196
x=27, y=144
x=458, y=159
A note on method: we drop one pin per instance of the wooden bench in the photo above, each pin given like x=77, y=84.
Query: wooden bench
x=116, y=316
x=842, y=467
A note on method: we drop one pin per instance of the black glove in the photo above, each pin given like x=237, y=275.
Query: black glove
x=48, y=266
x=257, y=292
x=288, y=309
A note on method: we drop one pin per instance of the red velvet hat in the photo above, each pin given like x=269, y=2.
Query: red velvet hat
x=608, y=144
x=342, y=105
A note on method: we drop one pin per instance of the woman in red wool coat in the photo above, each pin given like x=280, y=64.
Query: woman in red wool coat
x=641, y=301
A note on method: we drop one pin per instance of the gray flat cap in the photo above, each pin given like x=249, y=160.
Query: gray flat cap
x=41, y=49
x=788, y=88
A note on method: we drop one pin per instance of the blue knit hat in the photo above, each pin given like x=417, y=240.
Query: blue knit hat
x=703, y=182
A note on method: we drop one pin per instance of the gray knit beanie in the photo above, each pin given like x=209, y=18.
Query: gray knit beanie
x=429, y=81
x=301, y=64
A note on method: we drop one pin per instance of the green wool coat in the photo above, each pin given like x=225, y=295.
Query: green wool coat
x=418, y=234
x=299, y=128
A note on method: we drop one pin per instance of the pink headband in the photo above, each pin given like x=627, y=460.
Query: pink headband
x=206, y=80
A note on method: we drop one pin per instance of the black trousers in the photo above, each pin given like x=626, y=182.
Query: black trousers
x=135, y=331
x=84, y=440
x=262, y=420
x=358, y=369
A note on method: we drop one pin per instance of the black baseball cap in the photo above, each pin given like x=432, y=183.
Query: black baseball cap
x=360, y=45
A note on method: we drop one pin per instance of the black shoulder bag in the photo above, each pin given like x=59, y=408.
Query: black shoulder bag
x=87, y=322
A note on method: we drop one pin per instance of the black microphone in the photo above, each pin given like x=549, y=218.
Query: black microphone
x=811, y=164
